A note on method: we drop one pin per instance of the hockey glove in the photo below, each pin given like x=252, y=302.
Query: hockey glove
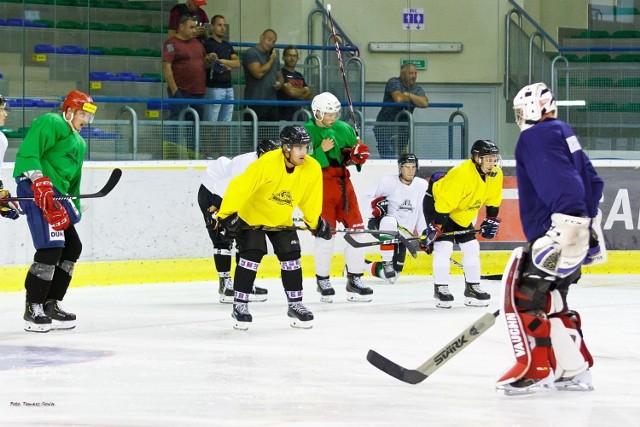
x=489, y=227
x=52, y=210
x=359, y=153
x=429, y=235
x=8, y=209
x=594, y=254
x=231, y=226
x=323, y=230
x=379, y=206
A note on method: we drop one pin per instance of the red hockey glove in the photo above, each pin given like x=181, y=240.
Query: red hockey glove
x=52, y=210
x=379, y=206
x=359, y=153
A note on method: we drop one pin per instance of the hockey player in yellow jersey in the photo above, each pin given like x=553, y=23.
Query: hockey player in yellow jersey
x=258, y=202
x=452, y=203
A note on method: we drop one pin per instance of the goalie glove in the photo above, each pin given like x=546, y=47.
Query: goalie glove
x=564, y=246
x=379, y=206
x=359, y=153
x=489, y=227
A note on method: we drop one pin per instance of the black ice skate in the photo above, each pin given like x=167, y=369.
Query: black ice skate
x=389, y=272
x=60, y=319
x=258, y=294
x=241, y=315
x=474, y=296
x=299, y=316
x=443, y=296
x=226, y=290
x=356, y=291
x=324, y=289
x=35, y=319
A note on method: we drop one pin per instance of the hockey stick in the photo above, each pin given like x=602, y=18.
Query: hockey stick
x=344, y=74
x=111, y=183
x=415, y=376
x=396, y=238
x=483, y=277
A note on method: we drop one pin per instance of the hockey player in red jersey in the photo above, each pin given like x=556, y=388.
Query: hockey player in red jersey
x=559, y=191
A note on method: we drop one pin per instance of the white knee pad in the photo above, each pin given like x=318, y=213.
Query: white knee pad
x=471, y=260
x=442, y=251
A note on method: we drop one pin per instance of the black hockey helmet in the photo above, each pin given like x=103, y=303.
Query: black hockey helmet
x=295, y=134
x=408, y=158
x=2, y=100
x=266, y=145
x=482, y=147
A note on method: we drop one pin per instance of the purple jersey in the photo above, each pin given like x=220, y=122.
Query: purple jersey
x=554, y=176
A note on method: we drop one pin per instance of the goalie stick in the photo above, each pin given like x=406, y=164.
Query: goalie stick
x=111, y=183
x=422, y=372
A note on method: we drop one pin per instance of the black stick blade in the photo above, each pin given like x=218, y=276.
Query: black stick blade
x=112, y=182
x=410, y=376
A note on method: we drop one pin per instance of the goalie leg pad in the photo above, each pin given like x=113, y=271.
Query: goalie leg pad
x=571, y=353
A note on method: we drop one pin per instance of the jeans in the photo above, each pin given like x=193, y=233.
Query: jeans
x=218, y=112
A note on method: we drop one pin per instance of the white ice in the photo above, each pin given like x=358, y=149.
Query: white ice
x=166, y=355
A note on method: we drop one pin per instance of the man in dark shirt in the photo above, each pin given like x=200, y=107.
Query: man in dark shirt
x=295, y=87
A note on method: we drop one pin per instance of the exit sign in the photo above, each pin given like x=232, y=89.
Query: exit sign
x=421, y=64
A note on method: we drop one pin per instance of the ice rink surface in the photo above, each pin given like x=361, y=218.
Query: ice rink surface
x=166, y=355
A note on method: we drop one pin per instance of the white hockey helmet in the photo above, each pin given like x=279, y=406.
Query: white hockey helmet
x=325, y=102
x=531, y=103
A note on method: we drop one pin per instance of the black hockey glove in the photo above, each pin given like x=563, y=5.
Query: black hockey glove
x=323, y=230
x=230, y=227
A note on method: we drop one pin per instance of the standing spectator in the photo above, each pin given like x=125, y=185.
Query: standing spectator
x=396, y=204
x=295, y=87
x=558, y=194
x=49, y=163
x=193, y=8
x=184, y=67
x=335, y=146
x=223, y=59
x=452, y=204
x=263, y=78
x=7, y=210
x=393, y=140
x=215, y=181
x=266, y=195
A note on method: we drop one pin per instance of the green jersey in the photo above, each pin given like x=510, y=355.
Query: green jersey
x=343, y=136
x=51, y=146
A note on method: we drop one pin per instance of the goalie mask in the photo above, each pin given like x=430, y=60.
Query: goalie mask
x=486, y=156
x=406, y=172
x=531, y=103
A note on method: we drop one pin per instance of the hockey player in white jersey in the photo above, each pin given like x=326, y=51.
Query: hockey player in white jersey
x=396, y=204
x=215, y=181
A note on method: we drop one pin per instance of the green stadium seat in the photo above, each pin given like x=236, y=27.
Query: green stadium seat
x=628, y=82
x=155, y=76
x=632, y=107
x=600, y=81
x=47, y=22
x=626, y=34
x=102, y=49
x=122, y=51
x=591, y=34
x=627, y=57
x=602, y=107
x=94, y=26
x=141, y=28
x=146, y=52
x=117, y=27
x=596, y=57
x=573, y=81
x=69, y=25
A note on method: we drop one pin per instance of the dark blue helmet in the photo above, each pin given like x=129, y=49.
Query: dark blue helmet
x=266, y=145
x=295, y=134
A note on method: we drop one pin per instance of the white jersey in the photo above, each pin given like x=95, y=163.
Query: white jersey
x=222, y=170
x=4, y=144
x=405, y=201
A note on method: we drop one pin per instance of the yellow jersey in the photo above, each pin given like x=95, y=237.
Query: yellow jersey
x=266, y=193
x=462, y=192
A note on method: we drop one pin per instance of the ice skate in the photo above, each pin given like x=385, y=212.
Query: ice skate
x=241, y=315
x=299, y=316
x=324, y=289
x=389, y=272
x=35, y=319
x=527, y=386
x=258, y=294
x=356, y=291
x=580, y=382
x=226, y=290
x=443, y=296
x=474, y=296
x=60, y=319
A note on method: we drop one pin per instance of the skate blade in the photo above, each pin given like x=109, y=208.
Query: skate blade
x=33, y=327
x=472, y=302
x=60, y=325
x=257, y=298
x=326, y=298
x=354, y=297
x=241, y=326
x=300, y=324
x=226, y=299
x=512, y=391
x=443, y=304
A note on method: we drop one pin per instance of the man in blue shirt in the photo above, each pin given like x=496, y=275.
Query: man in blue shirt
x=392, y=140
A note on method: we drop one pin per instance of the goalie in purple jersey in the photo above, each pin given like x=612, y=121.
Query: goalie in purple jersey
x=559, y=191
